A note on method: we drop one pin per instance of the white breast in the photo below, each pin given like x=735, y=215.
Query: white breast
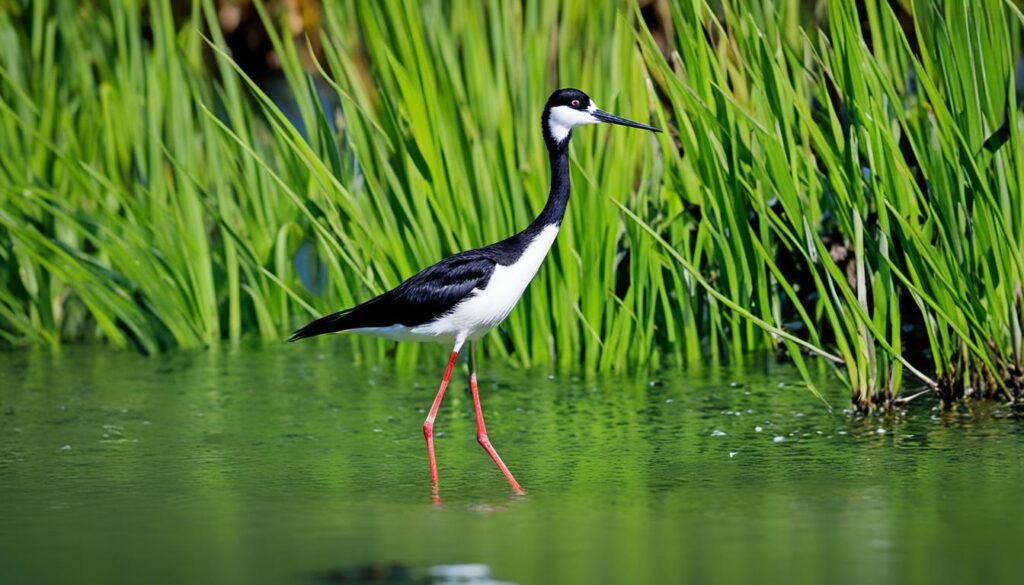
x=487, y=307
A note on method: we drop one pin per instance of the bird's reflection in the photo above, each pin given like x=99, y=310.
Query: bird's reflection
x=483, y=507
x=398, y=574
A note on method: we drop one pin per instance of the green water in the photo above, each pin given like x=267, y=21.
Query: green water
x=287, y=464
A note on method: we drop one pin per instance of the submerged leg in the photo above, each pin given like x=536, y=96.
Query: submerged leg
x=428, y=425
x=481, y=429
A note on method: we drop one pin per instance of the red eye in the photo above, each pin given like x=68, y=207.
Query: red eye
x=575, y=103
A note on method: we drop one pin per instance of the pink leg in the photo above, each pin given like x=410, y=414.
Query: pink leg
x=428, y=425
x=481, y=429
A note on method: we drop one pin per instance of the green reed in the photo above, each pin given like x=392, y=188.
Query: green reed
x=150, y=203
x=878, y=176
x=830, y=180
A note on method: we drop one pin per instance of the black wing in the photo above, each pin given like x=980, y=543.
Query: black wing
x=427, y=295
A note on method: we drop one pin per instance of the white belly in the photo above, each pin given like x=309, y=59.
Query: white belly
x=484, y=309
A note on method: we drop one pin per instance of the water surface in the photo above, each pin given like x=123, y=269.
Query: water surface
x=289, y=464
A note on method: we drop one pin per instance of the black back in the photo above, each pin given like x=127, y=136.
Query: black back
x=436, y=290
x=425, y=296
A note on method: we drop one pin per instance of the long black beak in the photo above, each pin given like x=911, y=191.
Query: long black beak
x=613, y=119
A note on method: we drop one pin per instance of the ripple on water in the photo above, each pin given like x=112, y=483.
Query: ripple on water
x=271, y=464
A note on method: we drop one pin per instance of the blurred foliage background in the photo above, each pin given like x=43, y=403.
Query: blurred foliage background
x=839, y=182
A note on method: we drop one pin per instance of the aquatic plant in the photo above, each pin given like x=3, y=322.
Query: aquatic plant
x=838, y=183
x=855, y=183
x=149, y=203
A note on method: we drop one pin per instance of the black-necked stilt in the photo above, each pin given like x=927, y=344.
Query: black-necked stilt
x=464, y=296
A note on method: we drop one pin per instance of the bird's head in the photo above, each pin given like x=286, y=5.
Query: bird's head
x=568, y=108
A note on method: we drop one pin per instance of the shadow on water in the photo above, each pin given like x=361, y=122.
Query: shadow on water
x=287, y=464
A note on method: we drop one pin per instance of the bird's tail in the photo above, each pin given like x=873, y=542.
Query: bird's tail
x=332, y=323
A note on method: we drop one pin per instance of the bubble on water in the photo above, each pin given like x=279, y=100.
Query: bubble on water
x=778, y=439
x=717, y=433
